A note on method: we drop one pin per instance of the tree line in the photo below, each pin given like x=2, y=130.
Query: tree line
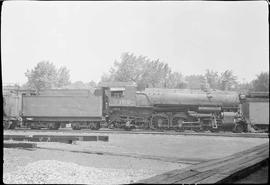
x=146, y=73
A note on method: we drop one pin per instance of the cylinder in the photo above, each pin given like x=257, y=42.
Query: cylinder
x=228, y=117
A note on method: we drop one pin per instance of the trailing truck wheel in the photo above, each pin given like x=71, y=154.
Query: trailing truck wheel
x=127, y=128
x=214, y=130
x=177, y=122
x=111, y=125
x=159, y=121
x=179, y=130
x=97, y=126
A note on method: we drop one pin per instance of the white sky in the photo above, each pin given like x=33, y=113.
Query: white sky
x=87, y=37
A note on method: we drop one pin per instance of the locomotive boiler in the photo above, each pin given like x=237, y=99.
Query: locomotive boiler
x=194, y=109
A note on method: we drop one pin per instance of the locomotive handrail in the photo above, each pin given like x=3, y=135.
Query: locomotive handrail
x=149, y=101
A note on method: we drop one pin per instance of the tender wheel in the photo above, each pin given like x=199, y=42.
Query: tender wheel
x=75, y=126
x=33, y=126
x=50, y=126
x=6, y=125
x=12, y=125
x=56, y=126
x=96, y=126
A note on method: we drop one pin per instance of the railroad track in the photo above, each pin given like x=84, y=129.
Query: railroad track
x=137, y=131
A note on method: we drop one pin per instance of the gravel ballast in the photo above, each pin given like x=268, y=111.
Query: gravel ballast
x=58, y=172
x=113, y=162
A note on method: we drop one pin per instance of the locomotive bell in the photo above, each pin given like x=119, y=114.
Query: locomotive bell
x=209, y=96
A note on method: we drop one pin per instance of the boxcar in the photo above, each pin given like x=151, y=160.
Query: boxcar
x=255, y=108
x=11, y=110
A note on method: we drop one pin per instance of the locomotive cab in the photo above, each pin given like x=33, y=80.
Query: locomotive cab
x=126, y=108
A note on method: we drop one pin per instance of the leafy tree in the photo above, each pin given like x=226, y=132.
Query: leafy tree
x=227, y=80
x=155, y=74
x=45, y=75
x=176, y=80
x=224, y=81
x=243, y=87
x=143, y=71
x=92, y=84
x=261, y=83
x=130, y=68
x=77, y=85
x=81, y=85
x=212, y=79
x=63, y=77
x=195, y=81
x=106, y=78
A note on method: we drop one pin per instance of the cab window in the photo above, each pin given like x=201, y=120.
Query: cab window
x=117, y=94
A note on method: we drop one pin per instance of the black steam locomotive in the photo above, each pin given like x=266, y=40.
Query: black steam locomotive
x=120, y=105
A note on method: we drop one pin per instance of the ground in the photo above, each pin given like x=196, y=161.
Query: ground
x=124, y=158
x=260, y=176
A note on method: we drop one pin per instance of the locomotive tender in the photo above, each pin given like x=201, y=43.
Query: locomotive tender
x=53, y=108
x=120, y=105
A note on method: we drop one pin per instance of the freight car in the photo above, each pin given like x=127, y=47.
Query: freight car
x=255, y=109
x=11, y=110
